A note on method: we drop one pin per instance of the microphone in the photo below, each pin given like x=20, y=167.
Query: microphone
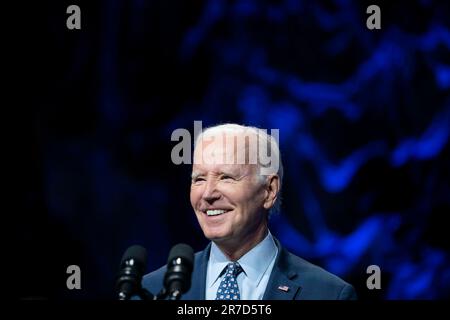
x=177, y=279
x=132, y=268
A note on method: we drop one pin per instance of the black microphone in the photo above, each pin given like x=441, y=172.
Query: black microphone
x=132, y=268
x=177, y=279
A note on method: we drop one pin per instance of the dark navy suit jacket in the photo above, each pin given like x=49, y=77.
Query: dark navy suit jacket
x=297, y=278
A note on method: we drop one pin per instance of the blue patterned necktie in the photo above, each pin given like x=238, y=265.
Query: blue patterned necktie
x=228, y=288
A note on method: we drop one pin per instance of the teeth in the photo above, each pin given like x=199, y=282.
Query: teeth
x=214, y=212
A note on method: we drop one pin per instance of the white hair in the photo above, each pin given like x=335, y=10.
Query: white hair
x=268, y=142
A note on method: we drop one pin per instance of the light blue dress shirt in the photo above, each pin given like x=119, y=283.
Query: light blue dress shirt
x=257, y=265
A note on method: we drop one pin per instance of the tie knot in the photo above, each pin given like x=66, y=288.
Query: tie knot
x=233, y=268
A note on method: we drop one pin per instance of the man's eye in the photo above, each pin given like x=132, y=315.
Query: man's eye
x=225, y=177
x=198, y=179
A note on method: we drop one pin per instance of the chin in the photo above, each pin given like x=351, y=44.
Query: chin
x=215, y=236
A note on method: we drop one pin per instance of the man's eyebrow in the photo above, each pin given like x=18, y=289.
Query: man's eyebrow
x=228, y=170
x=195, y=175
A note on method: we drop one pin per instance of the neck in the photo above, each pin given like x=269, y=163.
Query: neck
x=234, y=251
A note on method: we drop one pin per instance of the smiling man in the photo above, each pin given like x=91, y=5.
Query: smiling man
x=233, y=193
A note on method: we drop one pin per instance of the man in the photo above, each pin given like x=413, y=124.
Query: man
x=233, y=193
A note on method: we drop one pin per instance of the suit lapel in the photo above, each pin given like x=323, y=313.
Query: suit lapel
x=281, y=285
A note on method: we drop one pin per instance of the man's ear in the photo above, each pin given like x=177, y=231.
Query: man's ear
x=272, y=190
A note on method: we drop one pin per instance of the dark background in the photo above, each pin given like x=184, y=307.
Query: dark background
x=363, y=118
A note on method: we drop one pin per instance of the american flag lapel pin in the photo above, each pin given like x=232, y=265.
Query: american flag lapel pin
x=283, y=288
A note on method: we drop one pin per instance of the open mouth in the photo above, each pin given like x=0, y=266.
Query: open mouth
x=215, y=212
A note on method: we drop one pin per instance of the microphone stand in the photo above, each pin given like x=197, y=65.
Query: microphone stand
x=164, y=294
x=145, y=295
x=175, y=295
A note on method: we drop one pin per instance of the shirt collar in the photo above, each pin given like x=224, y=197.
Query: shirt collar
x=254, y=263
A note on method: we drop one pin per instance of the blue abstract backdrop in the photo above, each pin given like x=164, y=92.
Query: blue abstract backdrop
x=363, y=116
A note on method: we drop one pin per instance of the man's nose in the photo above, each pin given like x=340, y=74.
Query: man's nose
x=210, y=194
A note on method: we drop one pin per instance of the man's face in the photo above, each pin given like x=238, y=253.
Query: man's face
x=228, y=199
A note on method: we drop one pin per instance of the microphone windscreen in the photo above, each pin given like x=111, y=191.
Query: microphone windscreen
x=138, y=253
x=182, y=250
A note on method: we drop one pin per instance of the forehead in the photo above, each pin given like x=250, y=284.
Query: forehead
x=221, y=153
x=226, y=148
